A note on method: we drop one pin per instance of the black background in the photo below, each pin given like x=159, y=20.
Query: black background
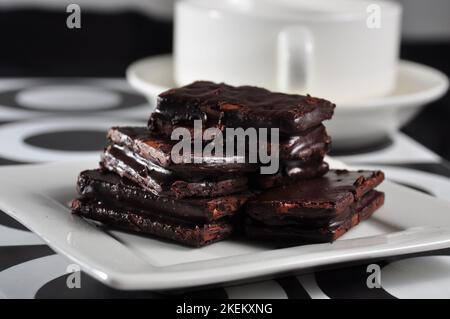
x=38, y=43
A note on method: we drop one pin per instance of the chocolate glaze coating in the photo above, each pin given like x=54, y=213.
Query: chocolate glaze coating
x=314, y=142
x=152, y=223
x=290, y=172
x=312, y=220
x=242, y=106
x=110, y=187
x=295, y=234
x=162, y=126
x=166, y=183
x=157, y=150
x=324, y=197
x=142, y=142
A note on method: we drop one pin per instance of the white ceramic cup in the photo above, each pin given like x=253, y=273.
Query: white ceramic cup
x=341, y=50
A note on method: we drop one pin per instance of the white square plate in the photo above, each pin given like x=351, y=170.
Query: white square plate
x=37, y=196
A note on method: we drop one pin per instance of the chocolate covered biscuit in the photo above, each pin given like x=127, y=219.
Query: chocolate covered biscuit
x=193, y=176
x=312, y=143
x=324, y=197
x=111, y=187
x=157, y=150
x=314, y=231
x=166, y=183
x=289, y=173
x=223, y=105
x=151, y=222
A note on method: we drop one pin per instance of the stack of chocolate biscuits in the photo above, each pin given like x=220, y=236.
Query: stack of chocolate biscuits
x=205, y=198
x=137, y=187
x=316, y=210
x=302, y=138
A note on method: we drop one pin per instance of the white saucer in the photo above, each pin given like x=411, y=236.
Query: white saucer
x=355, y=123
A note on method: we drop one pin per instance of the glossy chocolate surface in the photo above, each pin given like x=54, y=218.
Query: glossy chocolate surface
x=163, y=182
x=289, y=173
x=157, y=151
x=314, y=142
x=295, y=233
x=312, y=220
x=329, y=195
x=242, y=106
x=112, y=188
x=151, y=222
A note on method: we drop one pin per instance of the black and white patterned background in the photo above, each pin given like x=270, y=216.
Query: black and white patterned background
x=44, y=120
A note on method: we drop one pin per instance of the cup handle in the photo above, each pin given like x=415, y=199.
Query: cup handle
x=295, y=51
